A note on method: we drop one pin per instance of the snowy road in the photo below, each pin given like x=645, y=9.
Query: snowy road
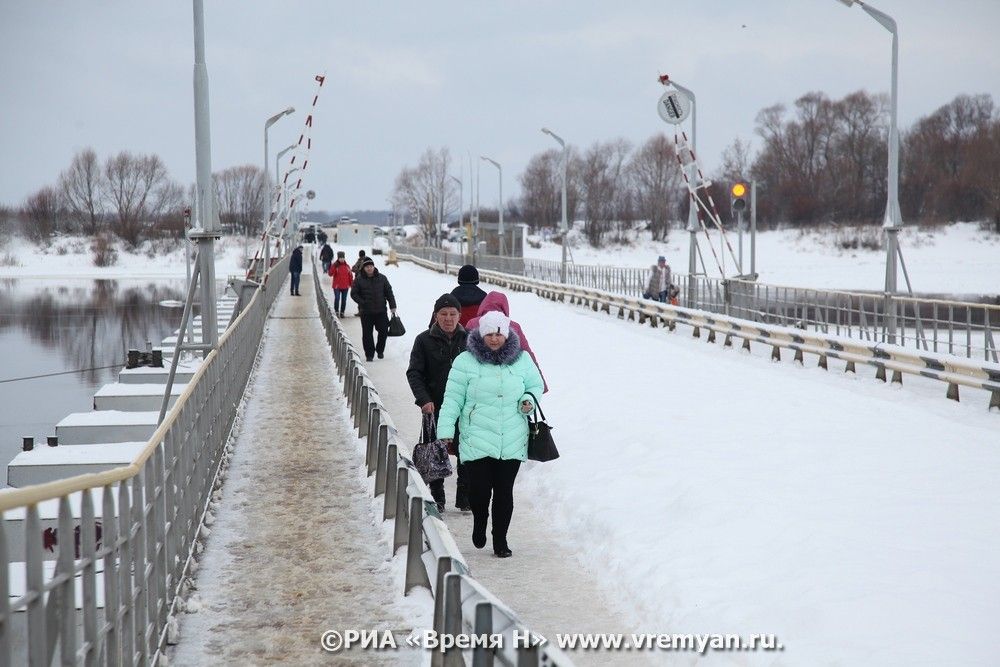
x=295, y=549
x=717, y=492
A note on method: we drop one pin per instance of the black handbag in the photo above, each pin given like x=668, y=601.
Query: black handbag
x=541, y=447
x=396, y=327
x=430, y=455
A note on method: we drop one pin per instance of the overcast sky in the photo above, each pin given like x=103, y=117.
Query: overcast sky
x=473, y=76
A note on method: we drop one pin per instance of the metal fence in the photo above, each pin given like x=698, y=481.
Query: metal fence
x=962, y=328
x=461, y=604
x=123, y=540
x=882, y=356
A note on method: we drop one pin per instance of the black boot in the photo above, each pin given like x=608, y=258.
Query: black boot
x=478, y=533
x=462, y=499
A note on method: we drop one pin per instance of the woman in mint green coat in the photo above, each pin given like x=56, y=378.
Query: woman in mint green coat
x=487, y=394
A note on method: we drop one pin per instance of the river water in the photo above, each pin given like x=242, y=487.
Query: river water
x=49, y=326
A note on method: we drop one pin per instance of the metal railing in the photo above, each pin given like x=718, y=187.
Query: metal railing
x=123, y=540
x=884, y=357
x=461, y=604
x=960, y=328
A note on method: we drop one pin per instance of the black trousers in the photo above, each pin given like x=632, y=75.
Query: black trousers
x=461, y=483
x=296, y=275
x=379, y=322
x=492, y=477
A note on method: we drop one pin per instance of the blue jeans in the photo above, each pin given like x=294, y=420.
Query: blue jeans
x=339, y=300
x=296, y=275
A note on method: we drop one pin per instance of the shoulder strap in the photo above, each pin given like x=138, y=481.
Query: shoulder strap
x=538, y=404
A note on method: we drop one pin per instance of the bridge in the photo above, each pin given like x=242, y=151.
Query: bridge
x=276, y=501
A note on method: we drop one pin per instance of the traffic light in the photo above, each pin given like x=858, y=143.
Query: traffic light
x=739, y=194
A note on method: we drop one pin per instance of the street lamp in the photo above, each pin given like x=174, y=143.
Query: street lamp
x=267, y=126
x=500, y=226
x=277, y=175
x=893, y=220
x=461, y=229
x=565, y=224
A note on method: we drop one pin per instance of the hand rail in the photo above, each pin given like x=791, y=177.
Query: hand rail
x=141, y=546
x=953, y=370
x=437, y=564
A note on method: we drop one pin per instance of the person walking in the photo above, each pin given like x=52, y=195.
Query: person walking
x=343, y=278
x=326, y=256
x=371, y=291
x=487, y=394
x=295, y=268
x=358, y=264
x=659, y=281
x=468, y=293
x=497, y=302
x=433, y=352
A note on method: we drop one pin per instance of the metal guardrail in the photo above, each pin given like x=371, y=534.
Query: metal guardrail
x=950, y=369
x=120, y=566
x=933, y=325
x=461, y=604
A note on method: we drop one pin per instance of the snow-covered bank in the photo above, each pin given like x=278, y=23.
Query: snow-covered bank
x=71, y=256
x=960, y=258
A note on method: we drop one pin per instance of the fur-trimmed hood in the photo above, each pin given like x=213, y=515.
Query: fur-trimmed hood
x=507, y=354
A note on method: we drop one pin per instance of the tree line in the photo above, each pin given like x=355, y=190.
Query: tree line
x=133, y=197
x=820, y=161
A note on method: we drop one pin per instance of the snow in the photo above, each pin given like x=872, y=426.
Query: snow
x=705, y=489
x=955, y=259
x=297, y=546
x=110, y=452
x=70, y=256
x=108, y=418
x=121, y=389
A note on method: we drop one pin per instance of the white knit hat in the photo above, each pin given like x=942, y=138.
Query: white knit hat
x=494, y=322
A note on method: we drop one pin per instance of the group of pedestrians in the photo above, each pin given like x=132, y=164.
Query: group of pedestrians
x=473, y=370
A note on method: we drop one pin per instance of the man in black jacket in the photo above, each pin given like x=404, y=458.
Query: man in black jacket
x=295, y=269
x=430, y=361
x=371, y=290
x=326, y=256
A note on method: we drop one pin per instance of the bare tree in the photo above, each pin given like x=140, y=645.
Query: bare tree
x=81, y=189
x=658, y=184
x=426, y=191
x=242, y=195
x=138, y=190
x=602, y=177
x=541, y=188
x=40, y=213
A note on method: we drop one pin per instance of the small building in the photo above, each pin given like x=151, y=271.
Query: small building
x=353, y=233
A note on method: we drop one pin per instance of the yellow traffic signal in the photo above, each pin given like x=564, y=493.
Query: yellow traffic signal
x=739, y=192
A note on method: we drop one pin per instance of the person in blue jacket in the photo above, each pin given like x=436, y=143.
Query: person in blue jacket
x=487, y=393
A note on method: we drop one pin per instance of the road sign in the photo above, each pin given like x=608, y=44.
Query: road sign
x=674, y=107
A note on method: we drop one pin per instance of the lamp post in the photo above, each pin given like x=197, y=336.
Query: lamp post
x=461, y=228
x=893, y=220
x=207, y=232
x=692, y=226
x=267, y=126
x=277, y=175
x=564, y=226
x=500, y=225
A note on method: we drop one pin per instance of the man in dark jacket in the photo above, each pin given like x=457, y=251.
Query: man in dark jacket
x=295, y=268
x=326, y=256
x=358, y=264
x=371, y=291
x=430, y=361
x=468, y=293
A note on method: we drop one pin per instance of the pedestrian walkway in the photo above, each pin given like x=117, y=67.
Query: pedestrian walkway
x=543, y=582
x=295, y=548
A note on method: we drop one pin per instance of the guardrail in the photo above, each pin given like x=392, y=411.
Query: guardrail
x=461, y=604
x=961, y=328
x=120, y=567
x=883, y=357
